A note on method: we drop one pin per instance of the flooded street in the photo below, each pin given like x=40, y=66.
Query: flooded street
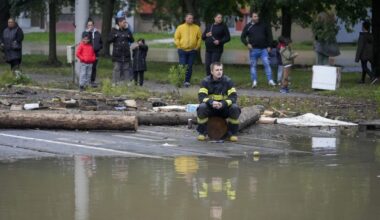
x=338, y=178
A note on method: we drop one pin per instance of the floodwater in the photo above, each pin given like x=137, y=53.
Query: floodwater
x=340, y=179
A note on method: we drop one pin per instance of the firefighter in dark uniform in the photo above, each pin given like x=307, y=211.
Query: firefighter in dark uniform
x=217, y=97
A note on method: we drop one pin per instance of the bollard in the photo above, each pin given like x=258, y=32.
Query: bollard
x=70, y=54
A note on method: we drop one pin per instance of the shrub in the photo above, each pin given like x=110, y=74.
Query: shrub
x=177, y=75
x=9, y=78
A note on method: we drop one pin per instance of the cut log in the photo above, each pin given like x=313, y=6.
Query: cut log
x=248, y=116
x=65, y=120
x=267, y=120
x=216, y=128
x=165, y=118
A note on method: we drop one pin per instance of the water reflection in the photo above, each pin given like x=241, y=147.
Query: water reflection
x=195, y=188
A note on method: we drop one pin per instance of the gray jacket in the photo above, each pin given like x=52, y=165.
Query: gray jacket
x=11, y=42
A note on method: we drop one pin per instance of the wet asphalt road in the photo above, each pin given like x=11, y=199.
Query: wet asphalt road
x=152, y=142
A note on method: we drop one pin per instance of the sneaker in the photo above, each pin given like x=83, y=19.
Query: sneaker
x=94, y=85
x=233, y=138
x=254, y=84
x=201, y=137
x=284, y=90
x=271, y=83
x=374, y=81
x=186, y=84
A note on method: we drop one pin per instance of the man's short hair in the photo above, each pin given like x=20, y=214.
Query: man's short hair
x=215, y=64
x=187, y=14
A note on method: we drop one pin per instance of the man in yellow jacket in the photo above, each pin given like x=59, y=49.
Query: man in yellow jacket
x=187, y=39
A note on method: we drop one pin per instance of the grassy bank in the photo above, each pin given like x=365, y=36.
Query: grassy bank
x=352, y=101
x=68, y=38
x=158, y=72
x=235, y=43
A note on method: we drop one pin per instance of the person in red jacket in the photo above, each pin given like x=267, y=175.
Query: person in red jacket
x=86, y=55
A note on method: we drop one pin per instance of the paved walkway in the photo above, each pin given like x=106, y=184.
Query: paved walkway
x=306, y=58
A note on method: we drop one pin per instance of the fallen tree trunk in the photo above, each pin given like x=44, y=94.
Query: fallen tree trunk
x=107, y=120
x=66, y=120
x=248, y=116
x=165, y=118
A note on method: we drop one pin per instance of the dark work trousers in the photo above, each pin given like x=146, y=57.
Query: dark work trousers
x=93, y=72
x=211, y=57
x=138, y=75
x=15, y=64
x=187, y=58
x=231, y=112
x=366, y=70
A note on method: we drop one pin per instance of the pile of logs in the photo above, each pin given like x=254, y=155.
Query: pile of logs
x=97, y=113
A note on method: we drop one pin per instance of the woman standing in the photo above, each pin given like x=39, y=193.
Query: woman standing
x=121, y=37
x=325, y=30
x=97, y=44
x=215, y=36
x=11, y=44
x=139, y=52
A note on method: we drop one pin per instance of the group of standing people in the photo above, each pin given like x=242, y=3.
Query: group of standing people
x=256, y=36
x=122, y=39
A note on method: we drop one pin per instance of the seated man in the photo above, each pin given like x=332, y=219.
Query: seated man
x=217, y=97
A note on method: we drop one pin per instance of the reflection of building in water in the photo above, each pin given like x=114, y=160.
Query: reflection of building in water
x=82, y=197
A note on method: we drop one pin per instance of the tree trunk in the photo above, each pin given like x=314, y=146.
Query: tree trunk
x=52, y=33
x=376, y=36
x=4, y=15
x=65, y=120
x=286, y=22
x=107, y=16
x=249, y=116
x=165, y=118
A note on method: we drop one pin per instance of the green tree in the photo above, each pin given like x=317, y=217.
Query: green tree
x=53, y=7
x=376, y=35
x=4, y=14
x=169, y=12
x=108, y=7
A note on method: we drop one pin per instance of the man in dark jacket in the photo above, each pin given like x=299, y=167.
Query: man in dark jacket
x=121, y=38
x=215, y=36
x=11, y=44
x=217, y=97
x=258, y=42
x=364, y=51
x=97, y=44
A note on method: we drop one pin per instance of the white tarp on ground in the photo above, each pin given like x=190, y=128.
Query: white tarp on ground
x=310, y=120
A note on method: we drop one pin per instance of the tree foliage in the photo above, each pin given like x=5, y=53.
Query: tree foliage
x=169, y=12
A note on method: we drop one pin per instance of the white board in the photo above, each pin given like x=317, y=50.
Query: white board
x=326, y=77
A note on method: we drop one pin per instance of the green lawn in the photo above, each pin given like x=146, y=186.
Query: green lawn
x=68, y=38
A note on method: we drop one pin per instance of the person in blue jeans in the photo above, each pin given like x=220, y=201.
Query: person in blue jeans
x=187, y=39
x=257, y=37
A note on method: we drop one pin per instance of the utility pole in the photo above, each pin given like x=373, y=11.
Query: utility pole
x=82, y=9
